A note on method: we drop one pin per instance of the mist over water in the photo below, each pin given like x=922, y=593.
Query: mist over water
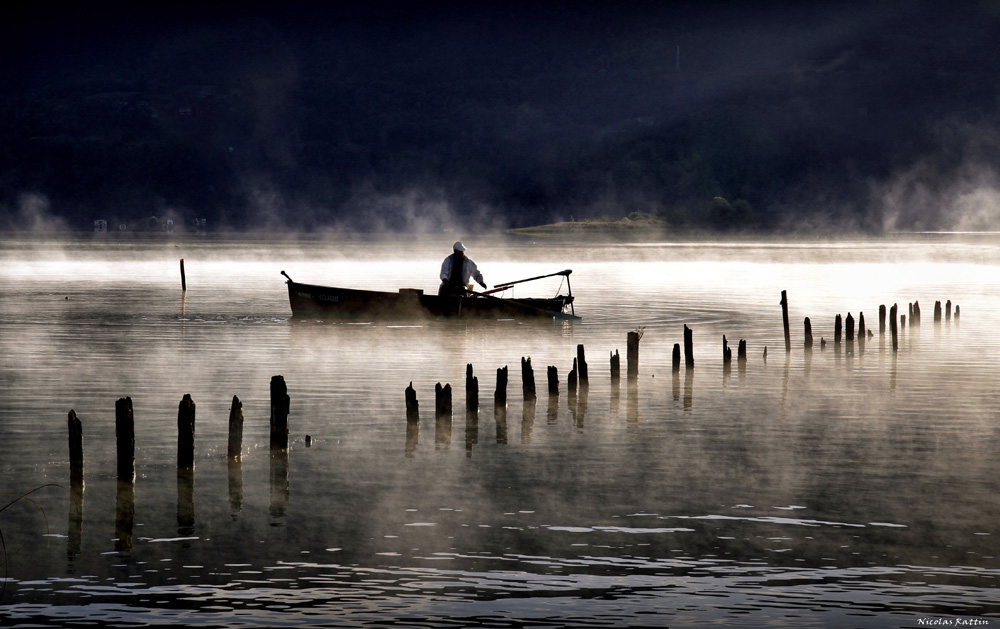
x=846, y=486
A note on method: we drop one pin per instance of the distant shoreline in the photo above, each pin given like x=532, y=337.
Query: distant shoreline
x=623, y=228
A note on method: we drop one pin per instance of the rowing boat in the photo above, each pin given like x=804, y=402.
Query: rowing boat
x=311, y=300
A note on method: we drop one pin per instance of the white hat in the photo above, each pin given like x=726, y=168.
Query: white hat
x=459, y=246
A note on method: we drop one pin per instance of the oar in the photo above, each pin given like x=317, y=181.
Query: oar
x=530, y=279
x=553, y=313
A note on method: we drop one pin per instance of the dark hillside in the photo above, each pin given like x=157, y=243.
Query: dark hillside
x=425, y=115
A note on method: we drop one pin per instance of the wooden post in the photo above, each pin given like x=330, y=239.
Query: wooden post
x=471, y=389
x=909, y=312
x=915, y=319
x=956, y=312
x=75, y=449
x=838, y=329
x=581, y=366
x=784, y=320
x=947, y=311
x=412, y=406
x=528, y=378
x=881, y=320
x=184, y=285
x=727, y=352
x=741, y=353
x=125, y=438
x=571, y=381
x=808, y=334
x=553, y=376
x=688, y=348
x=937, y=312
x=185, y=432
x=442, y=400
x=676, y=358
x=280, y=406
x=500, y=395
x=850, y=327
x=235, y=448
x=616, y=367
x=861, y=331
x=892, y=328
x=632, y=355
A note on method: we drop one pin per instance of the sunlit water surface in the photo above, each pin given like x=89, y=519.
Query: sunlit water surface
x=840, y=487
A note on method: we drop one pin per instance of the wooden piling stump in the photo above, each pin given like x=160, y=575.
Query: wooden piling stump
x=881, y=320
x=571, y=380
x=893, y=329
x=553, y=377
x=500, y=395
x=838, y=329
x=616, y=367
x=528, y=379
x=280, y=406
x=471, y=389
x=676, y=358
x=784, y=321
x=581, y=366
x=741, y=352
x=850, y=327
x=632, y=354
x=125, y=438
x=235, y=446
x=808, y=333
x=185, y=432
x=688, y=348
x=75, y=448
x=442, y=400
x=412, y=406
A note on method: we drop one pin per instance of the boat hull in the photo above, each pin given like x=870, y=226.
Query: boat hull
x=310, y=300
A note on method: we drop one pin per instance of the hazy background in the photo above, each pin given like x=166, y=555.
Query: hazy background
x=433, y=115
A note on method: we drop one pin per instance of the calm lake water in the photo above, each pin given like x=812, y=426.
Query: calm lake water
x=842, y=487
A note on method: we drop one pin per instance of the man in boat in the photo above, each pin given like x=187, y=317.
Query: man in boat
x=456, y=271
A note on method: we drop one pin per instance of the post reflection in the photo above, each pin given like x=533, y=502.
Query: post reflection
x=579, y=409
x=412, y=438
x=235, y=465
x=616, y=393
x=124, y=515
x=279, y=483
x=74, y=536
x=471, y=430
x=500, y=419
x=688, y=388
x=632, y=404
x=185, y=501
x=552, y=413
x=527, y=419
x=442, y=430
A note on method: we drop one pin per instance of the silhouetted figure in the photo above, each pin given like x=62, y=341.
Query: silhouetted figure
x=456, y=271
